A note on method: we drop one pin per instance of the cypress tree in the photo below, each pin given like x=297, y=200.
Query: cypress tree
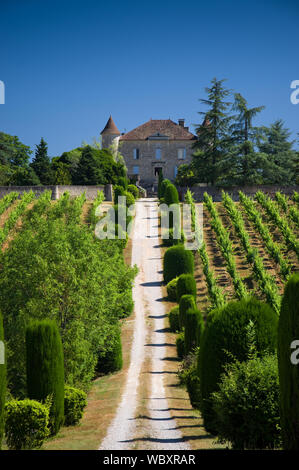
x=2, y=379
x=171, y=195
x=160, y=180
x=186, y=284
x=177, y=261
x=193, y=328
x=186, y=302
x=288, y=331
x=164, y=185
x=45, y=367
x=225, y=339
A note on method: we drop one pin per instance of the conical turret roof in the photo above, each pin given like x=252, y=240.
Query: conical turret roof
x=110, y=127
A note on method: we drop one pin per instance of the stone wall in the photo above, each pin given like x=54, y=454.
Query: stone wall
x=147, y=161
x=215, y=192
x=58, y=190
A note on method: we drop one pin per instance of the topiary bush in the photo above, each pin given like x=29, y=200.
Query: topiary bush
x=118, y=191
x=171, y=199
x=194, y=326
x=164, y=185
x=130, y=200
x=75, y=401
x=180, y=347
x=26, y=424
x=246, y=406
x=160, y=181
x=170, y=241
x=288, y=332
x=173, y=318
x=171, y=289
x=186, y=285
x=2, y=380
x=225, y=339
x=110, y=357
x=45, y=368
x=187, y=302
x=133, y=190
x=177, y=261
x=171, y=195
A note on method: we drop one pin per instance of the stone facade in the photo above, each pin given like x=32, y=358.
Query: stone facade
x=147, y=165
x=158, y=144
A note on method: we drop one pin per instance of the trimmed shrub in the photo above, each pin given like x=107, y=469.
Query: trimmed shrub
x=177, y=261
x=45, y=368
x=133, y=190
x=247, y=404
x=130, y=200
x=171, y=289
x=173, y=241
x=186, y=285
x=75, y=401
x=187, y=302
x=110, y=358
x=2, y=380
x=160, y=180
x=26, y=424
x=194, y=325
x=118, y=191
x=164, y=185
x=173, y=318
x=171, y=195
x=288, y=332
x=180, y=347
x=225, y=339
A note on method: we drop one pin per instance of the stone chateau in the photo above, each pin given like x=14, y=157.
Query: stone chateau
x=158, y=144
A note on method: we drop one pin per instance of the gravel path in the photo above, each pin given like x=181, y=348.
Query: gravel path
x=160, y=430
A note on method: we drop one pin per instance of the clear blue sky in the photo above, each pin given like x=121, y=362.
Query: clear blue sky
x=68, y=64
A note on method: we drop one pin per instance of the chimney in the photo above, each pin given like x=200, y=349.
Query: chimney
x=182, y=122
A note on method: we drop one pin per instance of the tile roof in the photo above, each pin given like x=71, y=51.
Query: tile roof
x=164, y=127
x=110, y=127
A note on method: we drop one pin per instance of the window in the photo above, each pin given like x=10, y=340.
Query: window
x=182, y=154
x=158, y=153
x=136, y=154
x=175, y=171
x=135, y=170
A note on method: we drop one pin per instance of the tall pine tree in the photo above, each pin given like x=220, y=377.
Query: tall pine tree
x=242, y=164
x=41, y=163
x=274, y=142
x=213, y=138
